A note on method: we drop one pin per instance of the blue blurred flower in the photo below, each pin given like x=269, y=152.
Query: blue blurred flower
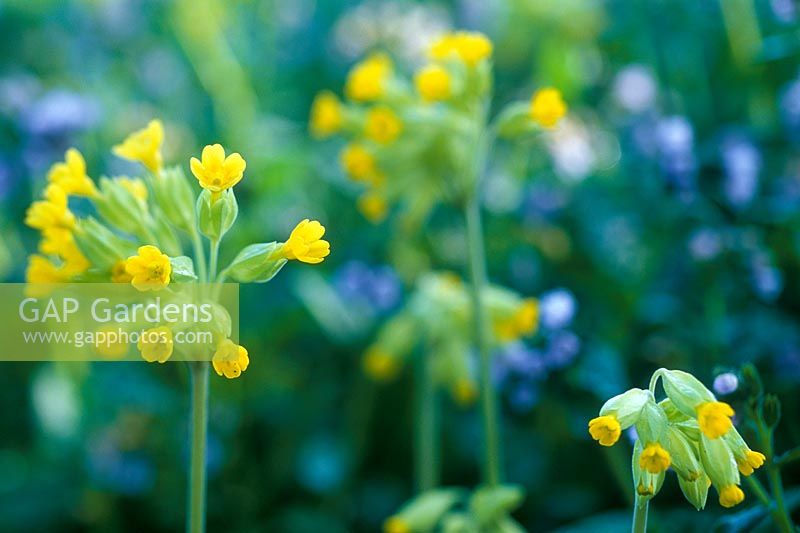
x=675, y=144
x=635, y=89
x=741, y=161
x=523, y=396
x=377, y=289
x=726, y=383
x=557, y=308
x=562, y=348
x=128, y=473
x=705, y=244
x=767, y=279
x=59, y=112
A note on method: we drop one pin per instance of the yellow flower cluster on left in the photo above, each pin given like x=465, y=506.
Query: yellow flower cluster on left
x=61, y=259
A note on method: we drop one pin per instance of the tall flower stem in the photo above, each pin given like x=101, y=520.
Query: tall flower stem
x=477, y=263
x=195, y=522
x=199, y=256
x=640, y=516
x=426, y=451
x=780, y=513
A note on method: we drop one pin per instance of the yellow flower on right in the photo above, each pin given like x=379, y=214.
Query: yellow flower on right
x=305, y=243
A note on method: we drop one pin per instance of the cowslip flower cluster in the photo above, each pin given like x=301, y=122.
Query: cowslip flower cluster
x=688, y=431
x=138, y=230
x=410, y=140
x=437, y=317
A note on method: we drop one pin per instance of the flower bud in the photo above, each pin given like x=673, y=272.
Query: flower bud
x=684, y=454
x=751, y=380
x=423, y=512
x=721, y=468
x=120, y=207
x=772, y=410
x=101, y=246
x=515, y=120
x=256, y=263
x=685, y=390
x=490, y=504
x=216, y=215
x=645, y=484
x=696, y=492
x=173, y=194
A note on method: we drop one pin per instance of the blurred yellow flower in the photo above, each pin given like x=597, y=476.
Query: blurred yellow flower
x=396, y=524
x=465, y=392
x=305, y=243
x=50, y=212
x=433, y=83
x=71, y=176
x=216, y=172
x=380, y=365
x=326, y=115
x=358, y=162
x=119, y=274
x=156, y=344
x=74, y=261
x=42, y=270
x=144, y=146
x=547, y=107
x=383, y=126
x=149, y=270
x=373, y=206
x=368, y=80
x=230, y=359
x=522, y=322
x=135, y=186
x=470, y=47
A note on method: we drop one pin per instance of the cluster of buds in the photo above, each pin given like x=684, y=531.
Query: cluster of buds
x=438, y=317
x=688, y=431
x=416, y=141
x=138, y=227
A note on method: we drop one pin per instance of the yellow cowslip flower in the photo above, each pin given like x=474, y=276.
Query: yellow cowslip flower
x=55, y=240
x=156, y=344
x=465, y=392
x=41, y=270
x=358, y=162
x=373, y=206
x=395, y=524
x=730, y=496
x=149, y=270
x=305, y=243
x=71, y=176
x=750, y=462
x=433, y=83
x=368, y=80
x=230, y=359
x=547, y=107
x=74, y=261
x=216, y=172
x=144, y=146
x=714, y=418
x=135, y=186
x=605, y=429
x=383, y=125
x=470, y=47
x=654, y=458
x=50, y=212
x=380, y=365
x=524, y=321
x=326, y=115
x=119, y=274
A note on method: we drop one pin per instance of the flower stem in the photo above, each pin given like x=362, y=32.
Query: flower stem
x=199, y=256
x=640, y=516
x=195, y=522
x=426, y=460
x=488, y=399
x=779, y=512
x=212, y=268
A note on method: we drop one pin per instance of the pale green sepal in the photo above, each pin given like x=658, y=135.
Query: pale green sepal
x=182, y=269
x=652, y=422
x=423, y=513
x=683, y=454
x=490, y=504
x=120, y=208
x=100, y=245
x=215, y=217
x=173, y=194
x=256, y=263
x=626, y=407
x=685, y=390
x=695, y=492
x=718, y=462
x=645, y=484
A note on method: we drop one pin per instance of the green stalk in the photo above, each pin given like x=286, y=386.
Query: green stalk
x=213, y=262
x=488, y=399
x=199, y=256
x=780, y=514
x=640, y=516
x=426, y=452
x=195, y=522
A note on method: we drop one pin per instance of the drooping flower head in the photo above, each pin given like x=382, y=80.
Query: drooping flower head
x=469, y=47
x=144, y=146
x=149, y=270
x=215, y=172
x=71, y=176
x=433, y=83
x=326, y=115
x=368, y=80
x=548, y=107
x=230, y=359
x=305, y=243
